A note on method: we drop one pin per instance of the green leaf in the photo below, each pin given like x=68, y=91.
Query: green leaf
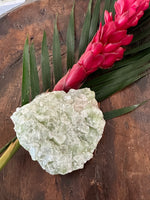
x=107, y=84
x=112, y=8
x=85, y=31
x=71, y=41
x=143, y=21
x=26, y=75
x=35, y=90
x=107, y=89
x=138, y=48
x=141, y=32
x=107, y=4
x=57, y=55
x=117, y=113
x=94, y=20
x=132, y=59
x=141, y=36
x=45, y=64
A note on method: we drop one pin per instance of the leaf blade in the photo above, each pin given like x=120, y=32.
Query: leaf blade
x=57, y=55
x=45, y=64
x=106, y=7
x=107, y=84
x=112, y=8
x=34, y=78
x=70, y=41
x=85, y=31
x=25, y=75
x=119, y=112
x=138, y=48
x=94, y=20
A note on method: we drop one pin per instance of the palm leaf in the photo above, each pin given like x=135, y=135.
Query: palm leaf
x=85, y=31
x=107, y=84
x=130, y=59
x=119, y=112
x=138, y=48
x=35, y=90
x=26, y=75
x=111, y=9
x=141, y=36
x=57, y=55
x=70, y=41
x=143, y=20
x=107, y=4
x=45, y=64
x=94, y=20
x=142, y=31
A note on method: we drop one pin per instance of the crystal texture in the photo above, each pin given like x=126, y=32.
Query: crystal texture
x=60, y=130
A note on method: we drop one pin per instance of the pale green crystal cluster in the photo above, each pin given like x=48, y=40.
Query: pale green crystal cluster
x=60, y=130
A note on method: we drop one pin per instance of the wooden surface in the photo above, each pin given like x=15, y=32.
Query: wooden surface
x=120, y=168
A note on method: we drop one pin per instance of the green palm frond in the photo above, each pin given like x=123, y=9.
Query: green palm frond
x=94, y=20
x=34, y=78
x=70, y=41
x=107, y=5
x=85, y=31
x=46, y=78
x=25, y=74
x=117, y=113
x=112, y=7
x=57, y=55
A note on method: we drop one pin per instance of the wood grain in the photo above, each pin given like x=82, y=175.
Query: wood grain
x=120, y=168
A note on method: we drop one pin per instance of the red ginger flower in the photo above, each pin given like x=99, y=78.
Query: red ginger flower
x=106, y=46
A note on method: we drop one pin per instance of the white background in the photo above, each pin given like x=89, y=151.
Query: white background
x=6, y=5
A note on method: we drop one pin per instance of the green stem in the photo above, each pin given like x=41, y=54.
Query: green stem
x=7, y=145
x=8, y=154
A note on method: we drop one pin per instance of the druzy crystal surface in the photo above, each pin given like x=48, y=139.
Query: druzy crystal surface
x=60, y=130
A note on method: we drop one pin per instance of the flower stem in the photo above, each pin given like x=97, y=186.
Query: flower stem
x=11, y=150
x=7, y=145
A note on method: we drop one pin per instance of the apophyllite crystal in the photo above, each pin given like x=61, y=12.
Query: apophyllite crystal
x=60, y=130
